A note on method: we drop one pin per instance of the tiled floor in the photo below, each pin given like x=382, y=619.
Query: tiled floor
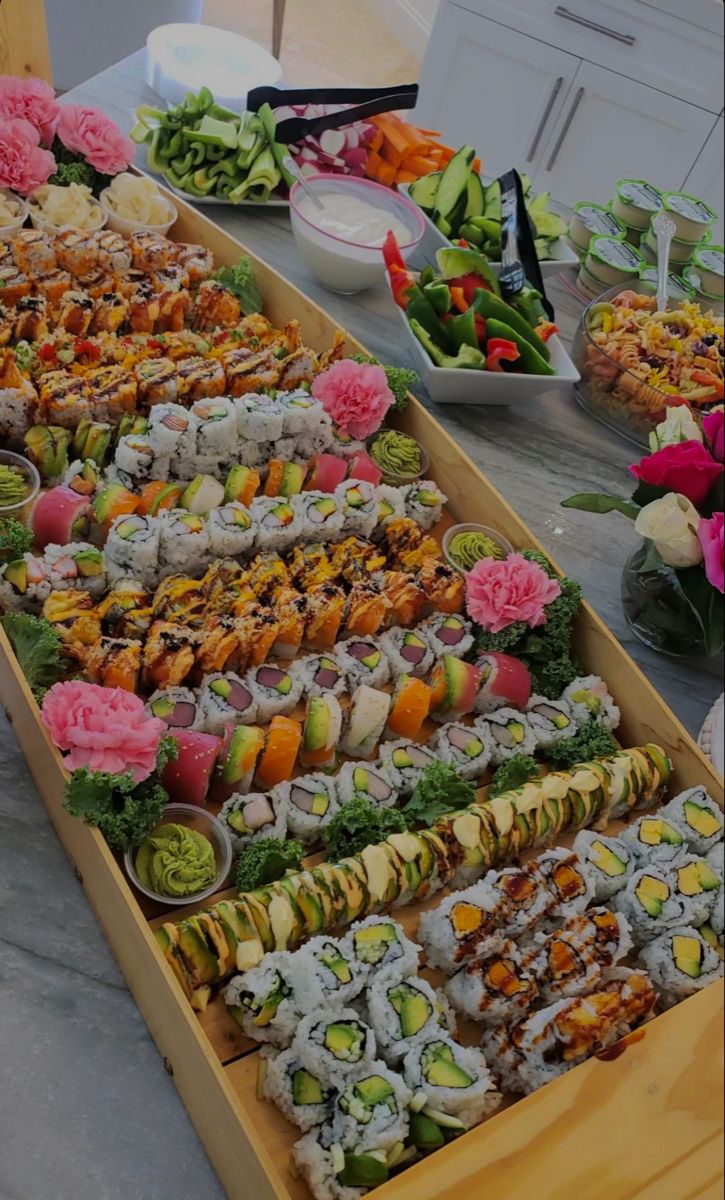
x=325, y=41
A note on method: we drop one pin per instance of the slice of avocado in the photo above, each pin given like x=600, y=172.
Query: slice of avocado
x=652, y=894
x=444, y=1072
x=306, y=1089
x=372, y=942
x=311, y=910
x=203, y=965
x=344, y=1040
x=363, y=1171
x=340, y=967
x=412, y=1007
x=700, y=819
x=401, y=758
x=236, y=821
x=17, y=574
x=424, y=1133
x=317, y=724
x=606, y=860
x=374, y=1090
x=687, y=953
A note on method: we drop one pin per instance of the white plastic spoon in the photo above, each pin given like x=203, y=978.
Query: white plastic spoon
x=665, y=229
x=290, y=165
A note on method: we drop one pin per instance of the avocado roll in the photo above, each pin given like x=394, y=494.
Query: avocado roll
x=334, y=1044
x=327, y=965
x=697, y=886
x=408, y=652
x=381, y=945
x=320, y=673
x=365, y=721
x=364, y=662
x=424, y=503
x=226, y=698
x=371, y=1111
x=466, y=748
x=494, y=988
x=698, y=816
x=549, y=720
x=176, y=706
x=265, y=1003
x=509, y=733
x=680, y=962
x=651, y=904
x=275, y=691
x=573, y=960
x=588, y=696
x=311, y=802
x=330, y=1173
x=302, y=1098
x=654, y=839
x=609, y=861
x=403, y=1011
x=455, y=1079
x=448, y=633
x=405, y=762
x=716, y=859
x=368, y=781
x=254, y=817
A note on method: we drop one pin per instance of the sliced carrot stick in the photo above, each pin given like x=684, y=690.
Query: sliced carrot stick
x=404, y=176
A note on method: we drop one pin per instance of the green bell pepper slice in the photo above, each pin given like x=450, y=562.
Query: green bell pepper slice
x=490, y=306
x=465, y=359
x=439, y=297
x=420, y=309
x=462, y=329
x=531, y=361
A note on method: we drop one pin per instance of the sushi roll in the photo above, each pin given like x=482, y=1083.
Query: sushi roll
x=408, y=652
x=167, y=425
x=403, y=1011
x=83, y=478
x=242, y=484
x=300, y=413
x=31, y=319
x=697, y=886
x=277, y=764
x=278, y=523
x=197, y=261
x=259, y=418
x=150, y=251
x=334, y=1044
x=509, y=732
x=520, y=897
x=588, y=697
x=381, y=945
x=324, y=613
x=226, y=698
x=371, y=1111
x=320, y=673
x=391, y=506
x=237, y=763
x=176, y=706
x=76, y=565
x=321, y=730
x=463, y=926
x=326, y=472
x=574, y=959
x=275, y=691
x=265, y=1003
x=716, y=859
x=363, y=661
x=231, y=532
x=110, y=313
x=113, y=393
x=365, y=781
x=217, y=429
x=609, y=861
x=187, y=778
x=505, y=681
x=651, y=904
x=322, y=516
x=365, y=721
x=699, y=818
x=199, y=379
x=33, y=252
x=468, y=749
x=201, y=495
x=64, y=399
x=549, y=721
x=60, y=515
x=302, y=1098
x=681, y=962
x=447, y=633
x=405, y=762
x=133, y=548
x=367, y=610
x=18, y=401
x=156, y=383
x=654, y=839
x=359, y=507
x=569, y=884
x=253, y=817
x=454, y=685
x=325, y=964
x=284, y=478
x=311, y=803
x=168, y=654
x=494, y=988
x=409, y=707
x=330, y=1174
x=114, y=254
x=76, y=251
x=455, y=1079
x=424, y=503
x=136, y=458
x=183, y=542
x=24, y=584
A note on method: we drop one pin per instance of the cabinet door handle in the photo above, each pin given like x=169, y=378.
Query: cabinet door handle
x=543, y=122
x=567, y=126
x=627, y=39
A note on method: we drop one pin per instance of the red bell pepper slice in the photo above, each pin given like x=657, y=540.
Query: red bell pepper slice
x=392, y=253
x=546, y=329
x=500, y=350
x=470, y=284
x=458, y=297
x=480, y=323
x=401, y=282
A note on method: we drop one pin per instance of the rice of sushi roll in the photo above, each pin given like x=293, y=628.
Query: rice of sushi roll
x=24, y=584
x=363, y=661
x=231, y=532
x=494, y=988
x=216, y=432
x=521, y=898
x=133, y=548
x=408, y=652
x=325, y=965
x=455, y=1079
x=278, y=522
x=76, y=565
x=167, y=425
x=448, y=633
x=381, y=945
x=275, y=690
x=609, y=861
x=391, y=507
x=321, y=730
x=454, y=685
x=253, y=817
x=311, y=803
x=301, y=1097
x=365, y=721
x=259, y=418
x=405, y=761
x=681, y=962
x=549, y=720
x=697, y=886
x=424, y=503
x=403, y=1011
x=322, y=516
x=265, y=1003
x=698, y=816
x=651, y=904
x=574, y=959
x=300, y=412
x=226, y=698
x=183, y=542
x=567, y=880
x=716, y=859
x=320, y=673
x=333, y=1044
x=466, y=748
x=504, y=680
x=371, y=1111
x=588, y=697
x=509, y=732
x=136, y=458
x=465, y=925
x=366, y=781
x=176, y=706
x=359, y=505
x=654, y=839
x=329, y=1173
x=315, y=440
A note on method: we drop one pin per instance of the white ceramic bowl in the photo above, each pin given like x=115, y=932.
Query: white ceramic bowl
x=8, y=231
x=203, y=822
x=122, y=225
x=342, y=266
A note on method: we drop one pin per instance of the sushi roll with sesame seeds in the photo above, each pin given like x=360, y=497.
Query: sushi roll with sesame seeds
x=609, y=861
x=253, y=817
x=510, y=733
x=698, y=816
x=278, y=523
x=366, y=781
x=265, y=1002
x=468, y=749
x=183, y=542
x=358, y=501
x=371, y=1111
x=681, y=962
x=226, y=698
x=301, y=1097
x=275, y=690
x=364, y=661
x=424, y=503
x=334, y=1043
x=549, y=720
x=408, y=652
x=133, y=549
x=448, y=633
x=311, y=803
x=588, y=697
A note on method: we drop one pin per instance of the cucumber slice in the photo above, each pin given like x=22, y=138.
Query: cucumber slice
x=454, y=183
x=424, y=191
x=476, y=198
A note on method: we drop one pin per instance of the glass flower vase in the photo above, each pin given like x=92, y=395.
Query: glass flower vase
x=656, y=609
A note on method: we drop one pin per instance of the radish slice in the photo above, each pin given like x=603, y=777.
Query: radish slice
x=332, y=141
x=352, y=138
x=356, y=158
x=284, y=113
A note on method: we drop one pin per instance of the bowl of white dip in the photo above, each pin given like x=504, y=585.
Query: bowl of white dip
x=342, y=243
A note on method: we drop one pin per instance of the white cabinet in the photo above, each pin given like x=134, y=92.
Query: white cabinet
x=706, y=177
x=614, y=128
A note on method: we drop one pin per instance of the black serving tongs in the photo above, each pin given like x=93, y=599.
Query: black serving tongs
x=519, y=260
x=295, y=129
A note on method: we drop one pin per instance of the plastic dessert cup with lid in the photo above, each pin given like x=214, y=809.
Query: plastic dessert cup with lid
x=593, y=220
x=612, y=262
x=21, y=509
x=709, y=262
x=201, y=822
x=692, y=216
x=635, y=202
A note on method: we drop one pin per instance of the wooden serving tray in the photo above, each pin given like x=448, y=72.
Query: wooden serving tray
x=646, y=1121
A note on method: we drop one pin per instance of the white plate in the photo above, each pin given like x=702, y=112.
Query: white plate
x=711, y=737
x=433, y=240
x=452, y=386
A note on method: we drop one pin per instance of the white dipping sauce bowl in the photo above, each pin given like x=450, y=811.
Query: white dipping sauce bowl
x=342, y=266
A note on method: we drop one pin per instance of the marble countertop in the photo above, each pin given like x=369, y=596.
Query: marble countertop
x=86, y=1110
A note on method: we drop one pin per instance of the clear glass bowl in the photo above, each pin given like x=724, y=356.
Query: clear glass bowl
x=21, y=511
x=400, y=479
x=612, y=393
x=469, y=527
x=203, y=822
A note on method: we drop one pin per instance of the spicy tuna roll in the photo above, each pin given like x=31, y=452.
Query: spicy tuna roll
x=176, y=706
x=226, y=698
x=311, y=803
x=407, y=651
x=448, y=633
x=275, y=690
x=466, y=748
x=320, y=673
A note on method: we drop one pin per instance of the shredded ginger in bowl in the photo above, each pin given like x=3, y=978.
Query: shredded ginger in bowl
x=70, y=207
x=135, y=198
x=10, y=209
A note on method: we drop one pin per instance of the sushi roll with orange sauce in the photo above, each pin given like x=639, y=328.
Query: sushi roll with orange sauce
x=97, y=282
x=150, y=251
x=77, y=251
x=197, y=261
x=18, y=398
x=31, y=319
x=248, y=372
x=199, y=378
x=215, y=307
x=406, y=597
x=110, y=313
x=114, y=254
x=172, y=278
x=143, y=308
x=325, y=612
x=75, y=312
x=115, y=662
x=266, y=574
x=174, y=308
x=258, y=630
x=156, y=382
x=168, y=655
x=33, y=252
x=113, y=393
x=54, y=286
x=64, y=399
x=368, y=607
x=444, y=587
x=13, y=284
x=290, y=609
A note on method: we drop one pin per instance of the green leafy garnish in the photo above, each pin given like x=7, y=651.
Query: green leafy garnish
x=359, y=824
x=401, y=380
x=264, y=862
x=519, y=769
x=38, y=650
x=240, y=280
x=70, y=168
x=124, y=811
x=592, y=740
x=15, y=539
x=439, y=790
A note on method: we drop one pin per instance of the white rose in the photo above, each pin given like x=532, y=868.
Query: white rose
x=678, y=426
x=671, y=523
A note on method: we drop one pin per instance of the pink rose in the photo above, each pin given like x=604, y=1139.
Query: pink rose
x=712, y=539
x=355, y=395
x=31, y=100
x=514, y=589
x=687, y=468
x=23, y=165
x=89, y=132
x=104, y=729
x=713, y=423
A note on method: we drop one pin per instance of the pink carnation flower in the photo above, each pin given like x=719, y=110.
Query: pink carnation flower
x=712, y=539
x=498, y=593
x=23, y=165
x=30, y=100
x=90, y=133
x=104, y=729
x=355, y=395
